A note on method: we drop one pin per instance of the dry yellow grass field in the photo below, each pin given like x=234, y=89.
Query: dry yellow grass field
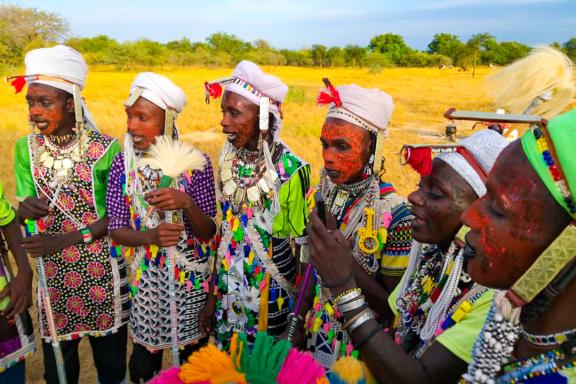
x=421, y=96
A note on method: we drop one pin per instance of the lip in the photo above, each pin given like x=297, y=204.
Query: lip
x=230, y=136
x=332, y=173
x=418, y=220
x=41, y=125
x=469, y=250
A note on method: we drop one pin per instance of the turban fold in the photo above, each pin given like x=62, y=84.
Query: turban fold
x=550, y=151
x=474, y=157
x=367, y=108
x=159, y=90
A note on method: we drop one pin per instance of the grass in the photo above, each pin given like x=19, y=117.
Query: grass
x=421, y=96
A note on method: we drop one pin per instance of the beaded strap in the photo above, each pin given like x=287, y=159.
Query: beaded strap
x=548, y=340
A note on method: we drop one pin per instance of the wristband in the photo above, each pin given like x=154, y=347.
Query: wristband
x=86, y=235
x=352, y=305
x=347, y=296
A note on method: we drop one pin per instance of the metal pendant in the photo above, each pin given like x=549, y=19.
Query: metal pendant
x=57, y=164
x=48, y=162
x=67, y=163
x=263, y=184
x=253, y=194
x=341, y=198
x=240, y=196
x=229, y=187
x=271, y=177
x=225, y=175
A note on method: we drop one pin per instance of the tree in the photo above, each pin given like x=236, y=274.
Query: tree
x=391, y=45
x=478, y=42
x=335, y=57
x=229, y=44
x=446, y=44
x=570, y=48
x=29, y=27
x=354, y=55
x=319, y=53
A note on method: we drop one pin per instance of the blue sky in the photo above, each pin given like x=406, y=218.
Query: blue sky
x=301, y=23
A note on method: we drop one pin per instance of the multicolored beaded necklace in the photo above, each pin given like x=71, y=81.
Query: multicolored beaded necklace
x=152, y=254
x=543, y=368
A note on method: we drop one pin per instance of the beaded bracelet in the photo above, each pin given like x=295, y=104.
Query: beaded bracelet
x=367, y=316
x=339, y=282
x=352, y=305
x=368, y=336
x=86, y=235
x=347, y=296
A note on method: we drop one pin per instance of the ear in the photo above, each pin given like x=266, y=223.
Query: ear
x=70, y=104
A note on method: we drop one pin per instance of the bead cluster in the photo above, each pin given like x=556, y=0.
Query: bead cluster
x=553, y=168
x=548, y=340
x=535, y=368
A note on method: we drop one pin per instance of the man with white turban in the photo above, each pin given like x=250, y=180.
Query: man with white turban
x=371, y=216
x=263, y=188
x=61, y=179
x=136, y=204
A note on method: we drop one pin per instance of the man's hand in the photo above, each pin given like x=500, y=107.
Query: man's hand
x=169, y=199
x=206, y=316
x=166, y=234
x=33, y=208
x=19, y=290
x=42, y=245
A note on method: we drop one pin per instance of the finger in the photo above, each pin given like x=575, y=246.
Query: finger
x=5, y=292
x=17, y=309
x=38, y=204
x=331, y=223
x=9, y=307
x=340, y=239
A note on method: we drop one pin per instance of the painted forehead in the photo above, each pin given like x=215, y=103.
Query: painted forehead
x=339, y=129
x=239, y=101
x=446, y=177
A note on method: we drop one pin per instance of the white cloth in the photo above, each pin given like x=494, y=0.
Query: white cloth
x=160, y=90
x=64, y=63
x=265, y=85
x=368, y=108
x=485, y=146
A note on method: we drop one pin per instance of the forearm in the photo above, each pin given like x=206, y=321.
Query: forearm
x=202, y=224
x=131, y=238
x=387, y=362
x=13, y=235
x=375, y=293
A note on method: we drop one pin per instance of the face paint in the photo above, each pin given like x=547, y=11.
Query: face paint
x=345, y=149
x=240, y=120
x=438, y=203
x=50, y=109
x=145, y=122
x=512, y=224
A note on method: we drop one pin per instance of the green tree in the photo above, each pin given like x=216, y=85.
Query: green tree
x=354, y=55
x=477, y=43
x=335, y=57
x=446, y=44
x=391, y=45
x=570, y=48
x=319, y=53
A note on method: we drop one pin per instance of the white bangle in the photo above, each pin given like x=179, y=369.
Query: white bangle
x=350, y=296
x=352, y=305
x=361, y=320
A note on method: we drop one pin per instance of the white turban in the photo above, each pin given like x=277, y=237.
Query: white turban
x=59, y=62
x=254, y=84
x=159, y=90
x=367, y=108
x=484, y=147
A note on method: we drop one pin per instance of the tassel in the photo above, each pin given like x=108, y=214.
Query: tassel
x=300, y=368
x=210, y=365
x=213, y=90
x=332, y=96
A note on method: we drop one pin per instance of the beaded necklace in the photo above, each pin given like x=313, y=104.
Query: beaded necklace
x=544, y=367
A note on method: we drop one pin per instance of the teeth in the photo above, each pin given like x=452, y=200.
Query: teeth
x=231, y=136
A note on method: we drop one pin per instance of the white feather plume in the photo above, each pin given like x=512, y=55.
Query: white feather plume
x=173, y=157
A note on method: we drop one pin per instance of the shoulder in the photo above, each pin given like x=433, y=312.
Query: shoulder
x=22, y=143
x=288, y=163
x=392, y=202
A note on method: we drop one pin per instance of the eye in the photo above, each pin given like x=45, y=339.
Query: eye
x=343, y=147
x=494, y=208
x=235, y=113
x=435, y=193
x=46, y=103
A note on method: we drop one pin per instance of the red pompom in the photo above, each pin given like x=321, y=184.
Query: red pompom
x=420, y=159
x=332, y=96
x=213, y=90
x=18, y=83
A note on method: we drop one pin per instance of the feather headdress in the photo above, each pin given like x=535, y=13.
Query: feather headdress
x=173, y=158
x=540, y=83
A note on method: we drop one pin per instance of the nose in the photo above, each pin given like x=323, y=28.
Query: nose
x=130, y=124
x=415, y=198
x=328, y=156
x=34, y=110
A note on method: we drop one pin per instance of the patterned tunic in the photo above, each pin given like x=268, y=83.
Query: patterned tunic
x=257, y=265
x=150, y=319
x=88, y=288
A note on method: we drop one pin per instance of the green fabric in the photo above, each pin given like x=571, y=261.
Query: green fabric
x=570, y=374
x=562, y=131
x=6, y=212
x=460, y=338
x=293, y=216
x=25, y=183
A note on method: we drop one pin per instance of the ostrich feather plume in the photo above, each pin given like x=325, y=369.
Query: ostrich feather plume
x=544, y=70
x=173, y=157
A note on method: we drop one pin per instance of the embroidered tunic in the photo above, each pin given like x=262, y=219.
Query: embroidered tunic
x=150, y=320
x=392, y=221
x=256, y=263
x=88, y=288
x=17, y=340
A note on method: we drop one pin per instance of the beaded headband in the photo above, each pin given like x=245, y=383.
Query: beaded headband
x=214, y=89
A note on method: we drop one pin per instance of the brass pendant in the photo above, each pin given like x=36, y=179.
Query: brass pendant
x=253, y=194
x=229, y=187
x=225, y=174
x=341, y=198
x=263, y=185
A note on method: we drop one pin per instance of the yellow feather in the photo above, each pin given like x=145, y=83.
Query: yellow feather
x=173, y=157
x=545, y=69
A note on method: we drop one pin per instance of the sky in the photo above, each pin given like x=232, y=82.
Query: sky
x=300, y=23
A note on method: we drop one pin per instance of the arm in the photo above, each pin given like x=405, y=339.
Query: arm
x=376, y=294
x=387, y=362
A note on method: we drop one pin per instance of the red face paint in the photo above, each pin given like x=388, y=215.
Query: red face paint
x=145, y=122
x=345, y=149
x=240, y=120
x=49, y=110
x=510, y=225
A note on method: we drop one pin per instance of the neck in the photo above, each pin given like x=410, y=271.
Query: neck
x=558, y=317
